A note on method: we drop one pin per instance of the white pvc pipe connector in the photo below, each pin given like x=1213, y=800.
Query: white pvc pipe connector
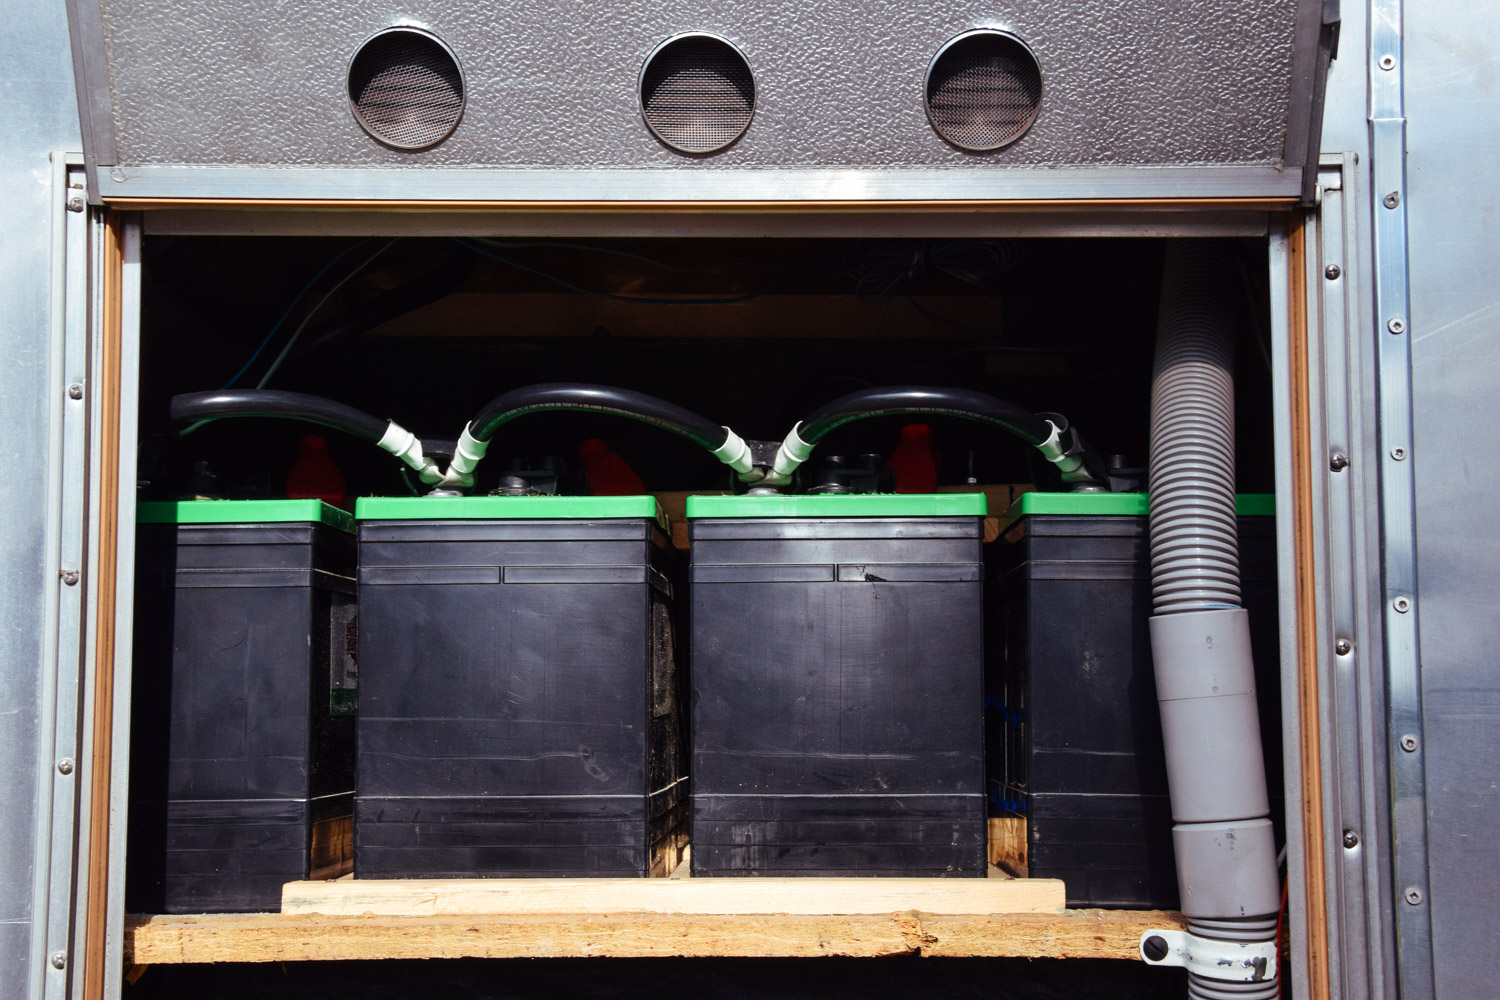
x=406, y=446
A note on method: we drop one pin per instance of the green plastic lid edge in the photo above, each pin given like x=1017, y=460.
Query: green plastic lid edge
x=840, y=505
x=1116, y=505
x=242, y=512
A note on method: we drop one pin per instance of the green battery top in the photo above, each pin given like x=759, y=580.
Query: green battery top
x=840, y=505
x=536, y=508
x=1115, y=505
x=242, y=512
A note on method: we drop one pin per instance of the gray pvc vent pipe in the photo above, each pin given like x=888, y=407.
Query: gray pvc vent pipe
x=1200, y=636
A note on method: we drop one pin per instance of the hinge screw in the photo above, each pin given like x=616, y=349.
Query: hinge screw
x=59, y=960
x=1332, y=272
x=1401, y=604
x=70, y=577
x=1413, y=895
x=1351, y=839
x=1396, y=324
x=1338, y=461
x=1343, y=647
x=75, y=203
x=1409, y=743
x=65, y=766
x=75, y=391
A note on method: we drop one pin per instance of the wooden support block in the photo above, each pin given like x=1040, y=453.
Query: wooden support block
x=269, y=937
x=1008, y=844
x=741, y=896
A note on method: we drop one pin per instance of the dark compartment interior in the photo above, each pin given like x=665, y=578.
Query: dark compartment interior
x=424, y=331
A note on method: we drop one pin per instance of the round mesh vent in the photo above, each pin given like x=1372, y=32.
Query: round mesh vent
x=406, y=88
x=983, y=90
x=697, y=93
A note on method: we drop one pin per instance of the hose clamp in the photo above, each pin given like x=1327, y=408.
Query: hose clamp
x=1226, y=961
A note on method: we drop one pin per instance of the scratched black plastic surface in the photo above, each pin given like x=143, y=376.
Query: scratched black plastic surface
x=235, y=754
x=837, y=687
x=1075, y=735
x=518, y=703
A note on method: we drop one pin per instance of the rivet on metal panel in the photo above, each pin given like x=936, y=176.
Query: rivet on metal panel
x=65, y=766
x=1413, y=895
x=59, y=960
x=75, y=391
x=70, y=577
x=1338, y=461
x=1401, y=604
x=1396, y=324
x=1392, y=200
x=1398, y=453
x=1387, y=62
x=1409, y=743
x=1332, y=271
x=1351, y=839
x=1343, y=647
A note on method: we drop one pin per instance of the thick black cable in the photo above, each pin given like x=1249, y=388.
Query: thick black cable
x=222, y=403
x=913, y=399
x=595, y=399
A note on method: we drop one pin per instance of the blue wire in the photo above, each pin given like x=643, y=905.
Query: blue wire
x=284, y=316
x=479, y=249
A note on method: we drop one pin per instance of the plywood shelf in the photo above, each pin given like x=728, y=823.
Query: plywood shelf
x=656, y=918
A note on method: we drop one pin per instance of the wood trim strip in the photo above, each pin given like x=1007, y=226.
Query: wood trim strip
x=262, y=937
x=709, y=207
x=96, y=913
x=1304, y=542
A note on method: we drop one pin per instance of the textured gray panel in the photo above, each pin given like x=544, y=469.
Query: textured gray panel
x=839, y=83
x=1453, y=147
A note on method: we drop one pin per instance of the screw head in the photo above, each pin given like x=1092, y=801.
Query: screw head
x=65, y=766
x=1392, y=200
x=1398, y=453
x=1387, y=62
x=1332, y=272
x=75, y=203
x=1401, y=604
x=1154, y=948
x=59, y=960
x=1412, y=895
x=1343, y=647
x=1396, y=324
x=1338, y=461
x=70, y=577
x=75, y=391
x=1409, y=743
x=1351, y=839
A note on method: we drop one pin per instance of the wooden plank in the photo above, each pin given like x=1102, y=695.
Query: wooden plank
x=96, y=907
x=1305, y=539
x=742, y=896
x=309, y=937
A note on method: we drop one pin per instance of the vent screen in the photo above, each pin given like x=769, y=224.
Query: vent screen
x=983, y=90
x=406, y=88
x=697, y=93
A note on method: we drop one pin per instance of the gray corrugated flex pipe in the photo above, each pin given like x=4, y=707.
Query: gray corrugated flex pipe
x=1200, y=642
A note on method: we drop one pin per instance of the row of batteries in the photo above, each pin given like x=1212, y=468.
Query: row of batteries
x=523, y=686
